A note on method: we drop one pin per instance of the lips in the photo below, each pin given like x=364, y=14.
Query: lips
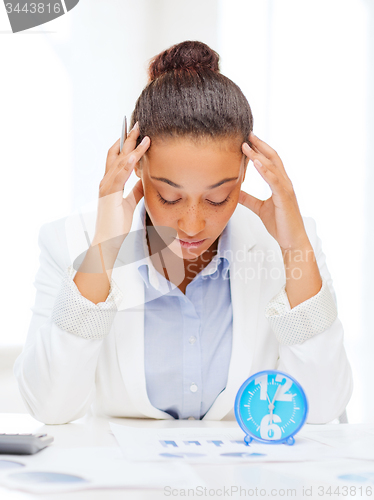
x=190, y=243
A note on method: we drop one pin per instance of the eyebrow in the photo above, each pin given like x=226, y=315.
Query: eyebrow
x=171, y=183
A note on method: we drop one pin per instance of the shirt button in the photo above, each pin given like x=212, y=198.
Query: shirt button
x=193, y=387
x=191, y=418
x=192, y=339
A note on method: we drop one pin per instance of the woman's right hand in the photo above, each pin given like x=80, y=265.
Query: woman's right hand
x=115, y=213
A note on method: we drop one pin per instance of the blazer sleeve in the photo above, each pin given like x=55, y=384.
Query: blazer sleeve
x=56, y=368
x=311, y=343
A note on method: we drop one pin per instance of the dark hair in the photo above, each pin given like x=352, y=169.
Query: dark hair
x=186, y=95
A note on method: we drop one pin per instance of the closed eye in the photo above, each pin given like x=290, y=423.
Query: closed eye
x=163, y=201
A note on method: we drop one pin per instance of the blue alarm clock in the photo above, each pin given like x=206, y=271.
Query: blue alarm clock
x=271, y=407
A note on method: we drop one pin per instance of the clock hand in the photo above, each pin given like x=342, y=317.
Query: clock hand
x=271, y=406
x=276, y=394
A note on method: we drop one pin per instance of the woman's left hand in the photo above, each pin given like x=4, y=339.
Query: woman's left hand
x=280, y=213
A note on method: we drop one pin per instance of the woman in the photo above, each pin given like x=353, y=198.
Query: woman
x=189, y=284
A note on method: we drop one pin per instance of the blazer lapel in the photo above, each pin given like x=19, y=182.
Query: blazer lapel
x=129, y=330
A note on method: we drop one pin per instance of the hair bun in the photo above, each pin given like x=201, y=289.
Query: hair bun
x=192, y=56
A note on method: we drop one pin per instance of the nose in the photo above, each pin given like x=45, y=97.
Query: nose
x=192, y=223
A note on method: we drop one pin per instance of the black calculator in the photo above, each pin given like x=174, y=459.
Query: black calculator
x=23, y=444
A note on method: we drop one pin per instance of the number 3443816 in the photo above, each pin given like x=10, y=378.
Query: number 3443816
x=345, y=491
x=34, y=8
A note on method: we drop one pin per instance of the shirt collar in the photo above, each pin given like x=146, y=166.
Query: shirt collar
x=154, y=278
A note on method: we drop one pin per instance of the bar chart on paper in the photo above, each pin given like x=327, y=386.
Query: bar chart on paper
x=204, y=445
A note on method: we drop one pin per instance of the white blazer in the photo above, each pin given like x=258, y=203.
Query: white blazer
x=61, y=374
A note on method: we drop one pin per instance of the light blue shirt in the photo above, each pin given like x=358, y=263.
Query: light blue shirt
x=187, y=337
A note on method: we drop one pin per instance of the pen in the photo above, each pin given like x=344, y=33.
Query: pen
x=124, y=133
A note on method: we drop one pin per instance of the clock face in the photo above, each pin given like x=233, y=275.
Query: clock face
x=271, y=406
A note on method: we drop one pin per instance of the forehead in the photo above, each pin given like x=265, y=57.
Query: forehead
x=185, y=157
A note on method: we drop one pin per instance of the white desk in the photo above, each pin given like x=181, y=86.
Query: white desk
x=95, y=432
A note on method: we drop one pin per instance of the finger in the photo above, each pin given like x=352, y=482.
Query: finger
x=124, y=165
x=128, y=146
x=267, y=151
x=252, y=146
x=253, y=155
x=130, y=142
x=138, y=152
x=112, y=154
x=117, y=174
x=250, y=202
x=120, y=174
x=262, y=147
x=278, y=184
x=265, y=162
